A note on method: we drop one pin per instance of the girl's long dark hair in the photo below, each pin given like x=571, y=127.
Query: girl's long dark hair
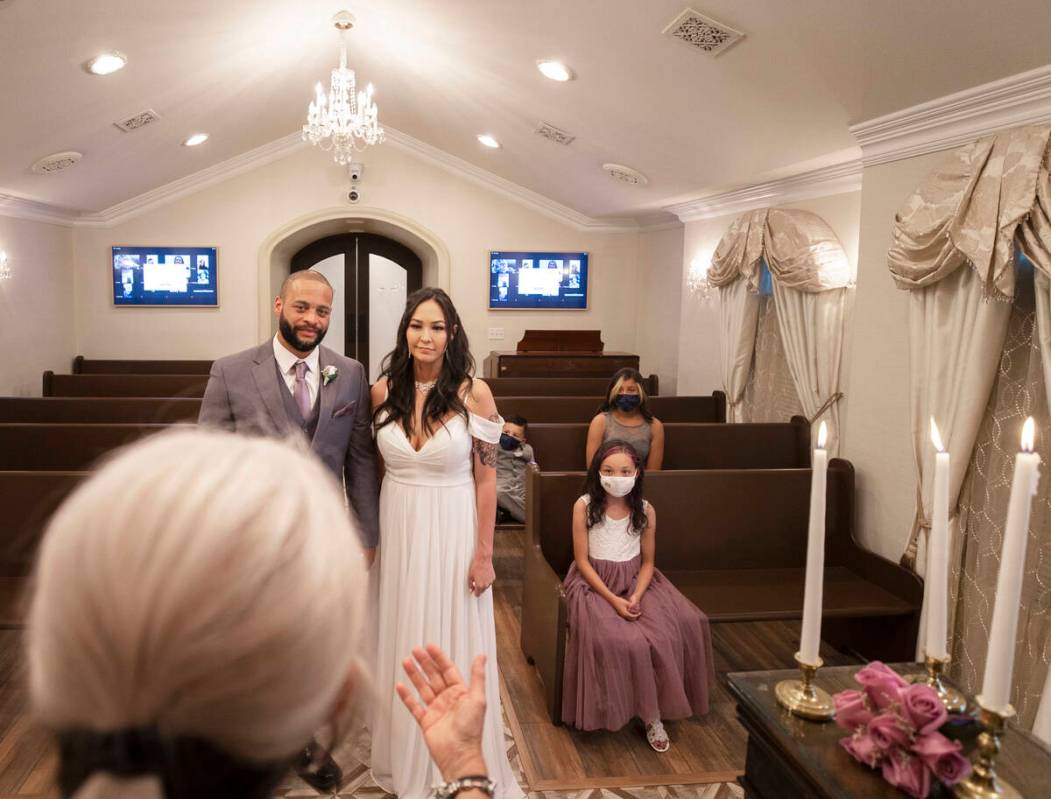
x=457, y=366
x=627, y=373
x=597, y=494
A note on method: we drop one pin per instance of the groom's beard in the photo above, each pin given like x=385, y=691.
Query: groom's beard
x=289, y=334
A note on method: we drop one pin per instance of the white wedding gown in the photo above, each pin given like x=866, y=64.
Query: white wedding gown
x=428, y=533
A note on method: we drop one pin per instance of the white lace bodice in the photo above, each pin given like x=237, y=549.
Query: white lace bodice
x=611, y=539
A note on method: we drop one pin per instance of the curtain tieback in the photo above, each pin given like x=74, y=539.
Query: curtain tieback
x=920, y=523
x=828, y=404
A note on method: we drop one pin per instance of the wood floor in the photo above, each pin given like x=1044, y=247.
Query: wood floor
x=555, y=762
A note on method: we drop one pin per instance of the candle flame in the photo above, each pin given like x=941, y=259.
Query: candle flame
x=936, y=437
x=822, y=435
x=1028, y=434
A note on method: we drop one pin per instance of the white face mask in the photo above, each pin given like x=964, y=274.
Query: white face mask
x=617, y=486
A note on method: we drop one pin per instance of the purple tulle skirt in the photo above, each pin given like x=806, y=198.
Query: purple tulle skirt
x=657, y=667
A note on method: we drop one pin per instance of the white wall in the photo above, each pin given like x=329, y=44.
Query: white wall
x=698, y=359
x=659, y=296
x=239, y=213
x=36, y=305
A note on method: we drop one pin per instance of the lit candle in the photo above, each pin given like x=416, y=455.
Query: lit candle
x=938, y=554
x=815, y=554
x=999, y=659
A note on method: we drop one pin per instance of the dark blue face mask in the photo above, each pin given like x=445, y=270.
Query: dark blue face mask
x=628, y=402
x=509, y=442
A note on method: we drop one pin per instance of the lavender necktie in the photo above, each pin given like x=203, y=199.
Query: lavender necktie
x=302, y=392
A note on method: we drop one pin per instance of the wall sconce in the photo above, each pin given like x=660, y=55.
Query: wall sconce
x=697, y=280
x=5, y=270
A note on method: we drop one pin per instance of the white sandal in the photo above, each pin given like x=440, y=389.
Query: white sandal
x=657, y=737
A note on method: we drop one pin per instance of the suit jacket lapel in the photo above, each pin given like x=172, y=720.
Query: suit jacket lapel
x=327, y=393
x=267, y=381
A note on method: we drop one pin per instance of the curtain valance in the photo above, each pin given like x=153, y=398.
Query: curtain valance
x=969, y=210
x=799, y=247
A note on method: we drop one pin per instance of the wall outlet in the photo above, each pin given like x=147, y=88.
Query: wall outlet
x=496, y=334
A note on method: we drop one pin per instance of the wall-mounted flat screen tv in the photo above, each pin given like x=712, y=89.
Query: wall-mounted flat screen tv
x=165, y=276
x=549, y=281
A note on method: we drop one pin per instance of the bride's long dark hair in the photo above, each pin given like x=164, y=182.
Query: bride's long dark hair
x=457, y=366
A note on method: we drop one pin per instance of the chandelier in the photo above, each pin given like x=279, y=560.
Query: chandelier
x=345, y=120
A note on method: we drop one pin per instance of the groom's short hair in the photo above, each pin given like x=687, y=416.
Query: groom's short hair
x=303, y=274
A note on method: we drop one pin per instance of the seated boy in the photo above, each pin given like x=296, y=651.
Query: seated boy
x=512, y=460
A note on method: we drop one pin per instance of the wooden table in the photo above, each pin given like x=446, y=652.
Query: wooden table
x=790, y=758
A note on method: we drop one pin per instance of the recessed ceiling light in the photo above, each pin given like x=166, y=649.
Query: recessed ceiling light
x=488, y=140
x=195, y=139
x=555, y=70
x=107, y=63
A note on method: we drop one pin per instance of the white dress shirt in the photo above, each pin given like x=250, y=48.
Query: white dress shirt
x=286, y=362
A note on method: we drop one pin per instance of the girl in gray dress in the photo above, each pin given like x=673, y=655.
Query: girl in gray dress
x=624, y=415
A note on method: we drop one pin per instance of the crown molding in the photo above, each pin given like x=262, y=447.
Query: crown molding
x=22, y=208
x=955, y=119
x=840, y=178
x=520, y=194
x=177, y=189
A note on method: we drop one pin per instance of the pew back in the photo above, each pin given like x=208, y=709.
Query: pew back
x=557, y=386
x=542, y=410
x=65, y=447
x=87, y=366
x=98, y=410
x=29, y=499
x=124, y=385
x=561, y=447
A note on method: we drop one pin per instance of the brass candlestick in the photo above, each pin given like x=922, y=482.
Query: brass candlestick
x=983, y=782
x=954, y=701
x=803, y=698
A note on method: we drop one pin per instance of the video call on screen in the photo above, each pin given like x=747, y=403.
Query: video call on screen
x=552, y=280
x=165, y=276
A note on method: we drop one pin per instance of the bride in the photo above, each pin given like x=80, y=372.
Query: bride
x=437, y=430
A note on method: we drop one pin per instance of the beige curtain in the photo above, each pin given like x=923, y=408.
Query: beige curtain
x=770, y=395
x=965, y=214
x=806, y=262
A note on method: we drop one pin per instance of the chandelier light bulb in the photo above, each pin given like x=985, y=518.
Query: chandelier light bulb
x=555, y=70
x=488, y=141
x=195, y=139
x=107, y=63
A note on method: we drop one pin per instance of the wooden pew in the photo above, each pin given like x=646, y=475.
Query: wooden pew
x=124, y=385
x=581, y=409
x=29, y=499
x=734, y=542
x=104, y=410
x=772, y=445
x=65, y=447
x=86, y=366
x=558, y=386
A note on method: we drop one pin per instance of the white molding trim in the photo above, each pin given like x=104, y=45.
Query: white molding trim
x=177, y=189
x=21, y=208
x=482, y=177
x=841, y=178
x=946, y=122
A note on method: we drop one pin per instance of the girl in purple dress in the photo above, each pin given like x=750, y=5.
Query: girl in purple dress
x=637, y=648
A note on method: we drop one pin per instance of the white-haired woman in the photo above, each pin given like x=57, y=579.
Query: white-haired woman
x=196, y=618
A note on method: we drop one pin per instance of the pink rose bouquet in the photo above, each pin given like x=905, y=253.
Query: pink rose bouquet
x=894, y=727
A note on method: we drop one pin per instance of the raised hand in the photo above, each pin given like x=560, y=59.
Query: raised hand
x=450, y=714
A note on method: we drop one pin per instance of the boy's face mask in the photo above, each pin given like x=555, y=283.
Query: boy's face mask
x=628, y=402
x=509, y=442
x=617, y=486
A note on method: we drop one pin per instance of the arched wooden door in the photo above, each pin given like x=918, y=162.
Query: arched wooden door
x=371, y=276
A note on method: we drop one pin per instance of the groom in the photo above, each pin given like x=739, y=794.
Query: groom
x=291, y=385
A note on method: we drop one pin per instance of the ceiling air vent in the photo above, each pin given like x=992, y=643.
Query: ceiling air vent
x=56, y=162
x=625, y=174
x=703, y=32
x=140, y=120
x=549, y=131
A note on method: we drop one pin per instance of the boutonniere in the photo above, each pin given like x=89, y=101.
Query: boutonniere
x=328, y=374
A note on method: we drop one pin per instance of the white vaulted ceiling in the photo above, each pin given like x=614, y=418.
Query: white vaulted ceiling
x=446, y=70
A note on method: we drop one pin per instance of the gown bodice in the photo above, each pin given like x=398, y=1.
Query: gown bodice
x=445, y=457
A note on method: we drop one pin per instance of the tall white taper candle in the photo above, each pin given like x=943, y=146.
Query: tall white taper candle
x=999, y=659
x=810, y=642
x=938, y=555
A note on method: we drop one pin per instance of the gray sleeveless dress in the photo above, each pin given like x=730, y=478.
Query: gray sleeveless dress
x=639, y=436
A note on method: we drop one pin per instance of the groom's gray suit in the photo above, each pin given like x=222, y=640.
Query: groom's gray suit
x=246, y=394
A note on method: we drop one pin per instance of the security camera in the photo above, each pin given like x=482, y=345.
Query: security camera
x=356, y=171
x=354, y=195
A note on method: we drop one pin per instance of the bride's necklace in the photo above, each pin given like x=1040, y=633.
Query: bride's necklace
x=425, y=387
